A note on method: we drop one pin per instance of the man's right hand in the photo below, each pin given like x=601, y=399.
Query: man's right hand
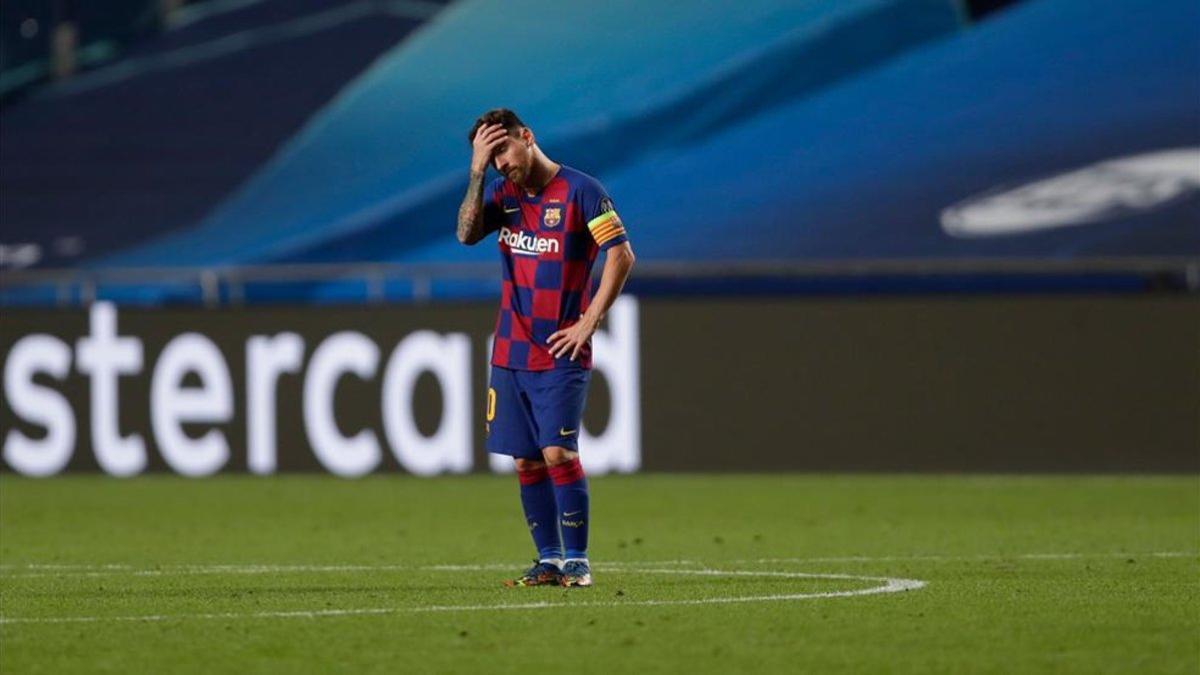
x=487, y=139
x=471, y=225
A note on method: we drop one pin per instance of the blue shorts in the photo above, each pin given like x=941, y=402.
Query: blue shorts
x=529, y=410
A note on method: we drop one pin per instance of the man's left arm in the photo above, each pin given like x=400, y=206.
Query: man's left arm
x=618, y=262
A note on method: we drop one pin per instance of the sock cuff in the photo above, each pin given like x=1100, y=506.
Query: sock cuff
x=568, y=472
x=533, y=476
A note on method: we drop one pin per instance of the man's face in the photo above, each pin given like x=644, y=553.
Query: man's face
x=514, y=157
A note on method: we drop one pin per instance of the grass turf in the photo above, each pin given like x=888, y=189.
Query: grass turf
x=222, y=562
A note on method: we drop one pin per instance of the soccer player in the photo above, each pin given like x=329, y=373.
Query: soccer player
x=553, y=221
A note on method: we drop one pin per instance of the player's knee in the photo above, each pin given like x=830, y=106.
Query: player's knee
x=525, y=465
x=555, y=455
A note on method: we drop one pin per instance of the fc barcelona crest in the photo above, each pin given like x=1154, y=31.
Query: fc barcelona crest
x=552, y=216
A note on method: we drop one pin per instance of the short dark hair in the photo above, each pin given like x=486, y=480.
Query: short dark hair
x=502, y=116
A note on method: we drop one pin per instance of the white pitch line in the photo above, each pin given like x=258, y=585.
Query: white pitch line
x=616, y=564
x=182, y=570
x=13, y=571
x=950, y=558
x=889, y=585
x=42, y=566
x=34, y=570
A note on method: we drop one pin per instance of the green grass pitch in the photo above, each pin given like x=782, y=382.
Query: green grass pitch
x=721, y=574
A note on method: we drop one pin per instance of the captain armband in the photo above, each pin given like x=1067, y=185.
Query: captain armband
x=605, y=227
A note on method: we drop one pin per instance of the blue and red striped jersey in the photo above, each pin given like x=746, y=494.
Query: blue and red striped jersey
x=548, y=244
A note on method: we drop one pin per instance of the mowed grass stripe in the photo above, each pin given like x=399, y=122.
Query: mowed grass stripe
x=56, y=571
x=1029, y=574
x=32, y=601
x=880, y=585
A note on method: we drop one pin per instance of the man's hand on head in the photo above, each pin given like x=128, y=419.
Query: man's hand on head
x=471, y=225
x=487, y=139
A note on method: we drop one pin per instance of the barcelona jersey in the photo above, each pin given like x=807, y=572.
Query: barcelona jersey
x=548, y=244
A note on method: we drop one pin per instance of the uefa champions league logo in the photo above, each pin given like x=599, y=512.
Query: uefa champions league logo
x=1095, y=193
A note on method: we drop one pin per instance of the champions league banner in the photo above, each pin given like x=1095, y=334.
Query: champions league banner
x=349, y=391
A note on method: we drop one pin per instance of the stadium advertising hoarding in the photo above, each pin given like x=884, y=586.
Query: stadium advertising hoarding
x=344, y=390
x=1016, y=383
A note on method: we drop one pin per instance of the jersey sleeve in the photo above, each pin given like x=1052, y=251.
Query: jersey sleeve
x=601, y=216
x=493, y=210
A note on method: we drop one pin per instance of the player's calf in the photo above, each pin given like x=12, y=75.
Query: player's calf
x=571, y=493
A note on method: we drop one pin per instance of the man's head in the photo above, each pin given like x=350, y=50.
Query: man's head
x=514, y=158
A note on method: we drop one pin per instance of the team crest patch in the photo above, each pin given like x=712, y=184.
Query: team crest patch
x=552, y=216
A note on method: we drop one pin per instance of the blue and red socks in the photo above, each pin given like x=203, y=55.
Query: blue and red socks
x=571, y=494
x=541, y=513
